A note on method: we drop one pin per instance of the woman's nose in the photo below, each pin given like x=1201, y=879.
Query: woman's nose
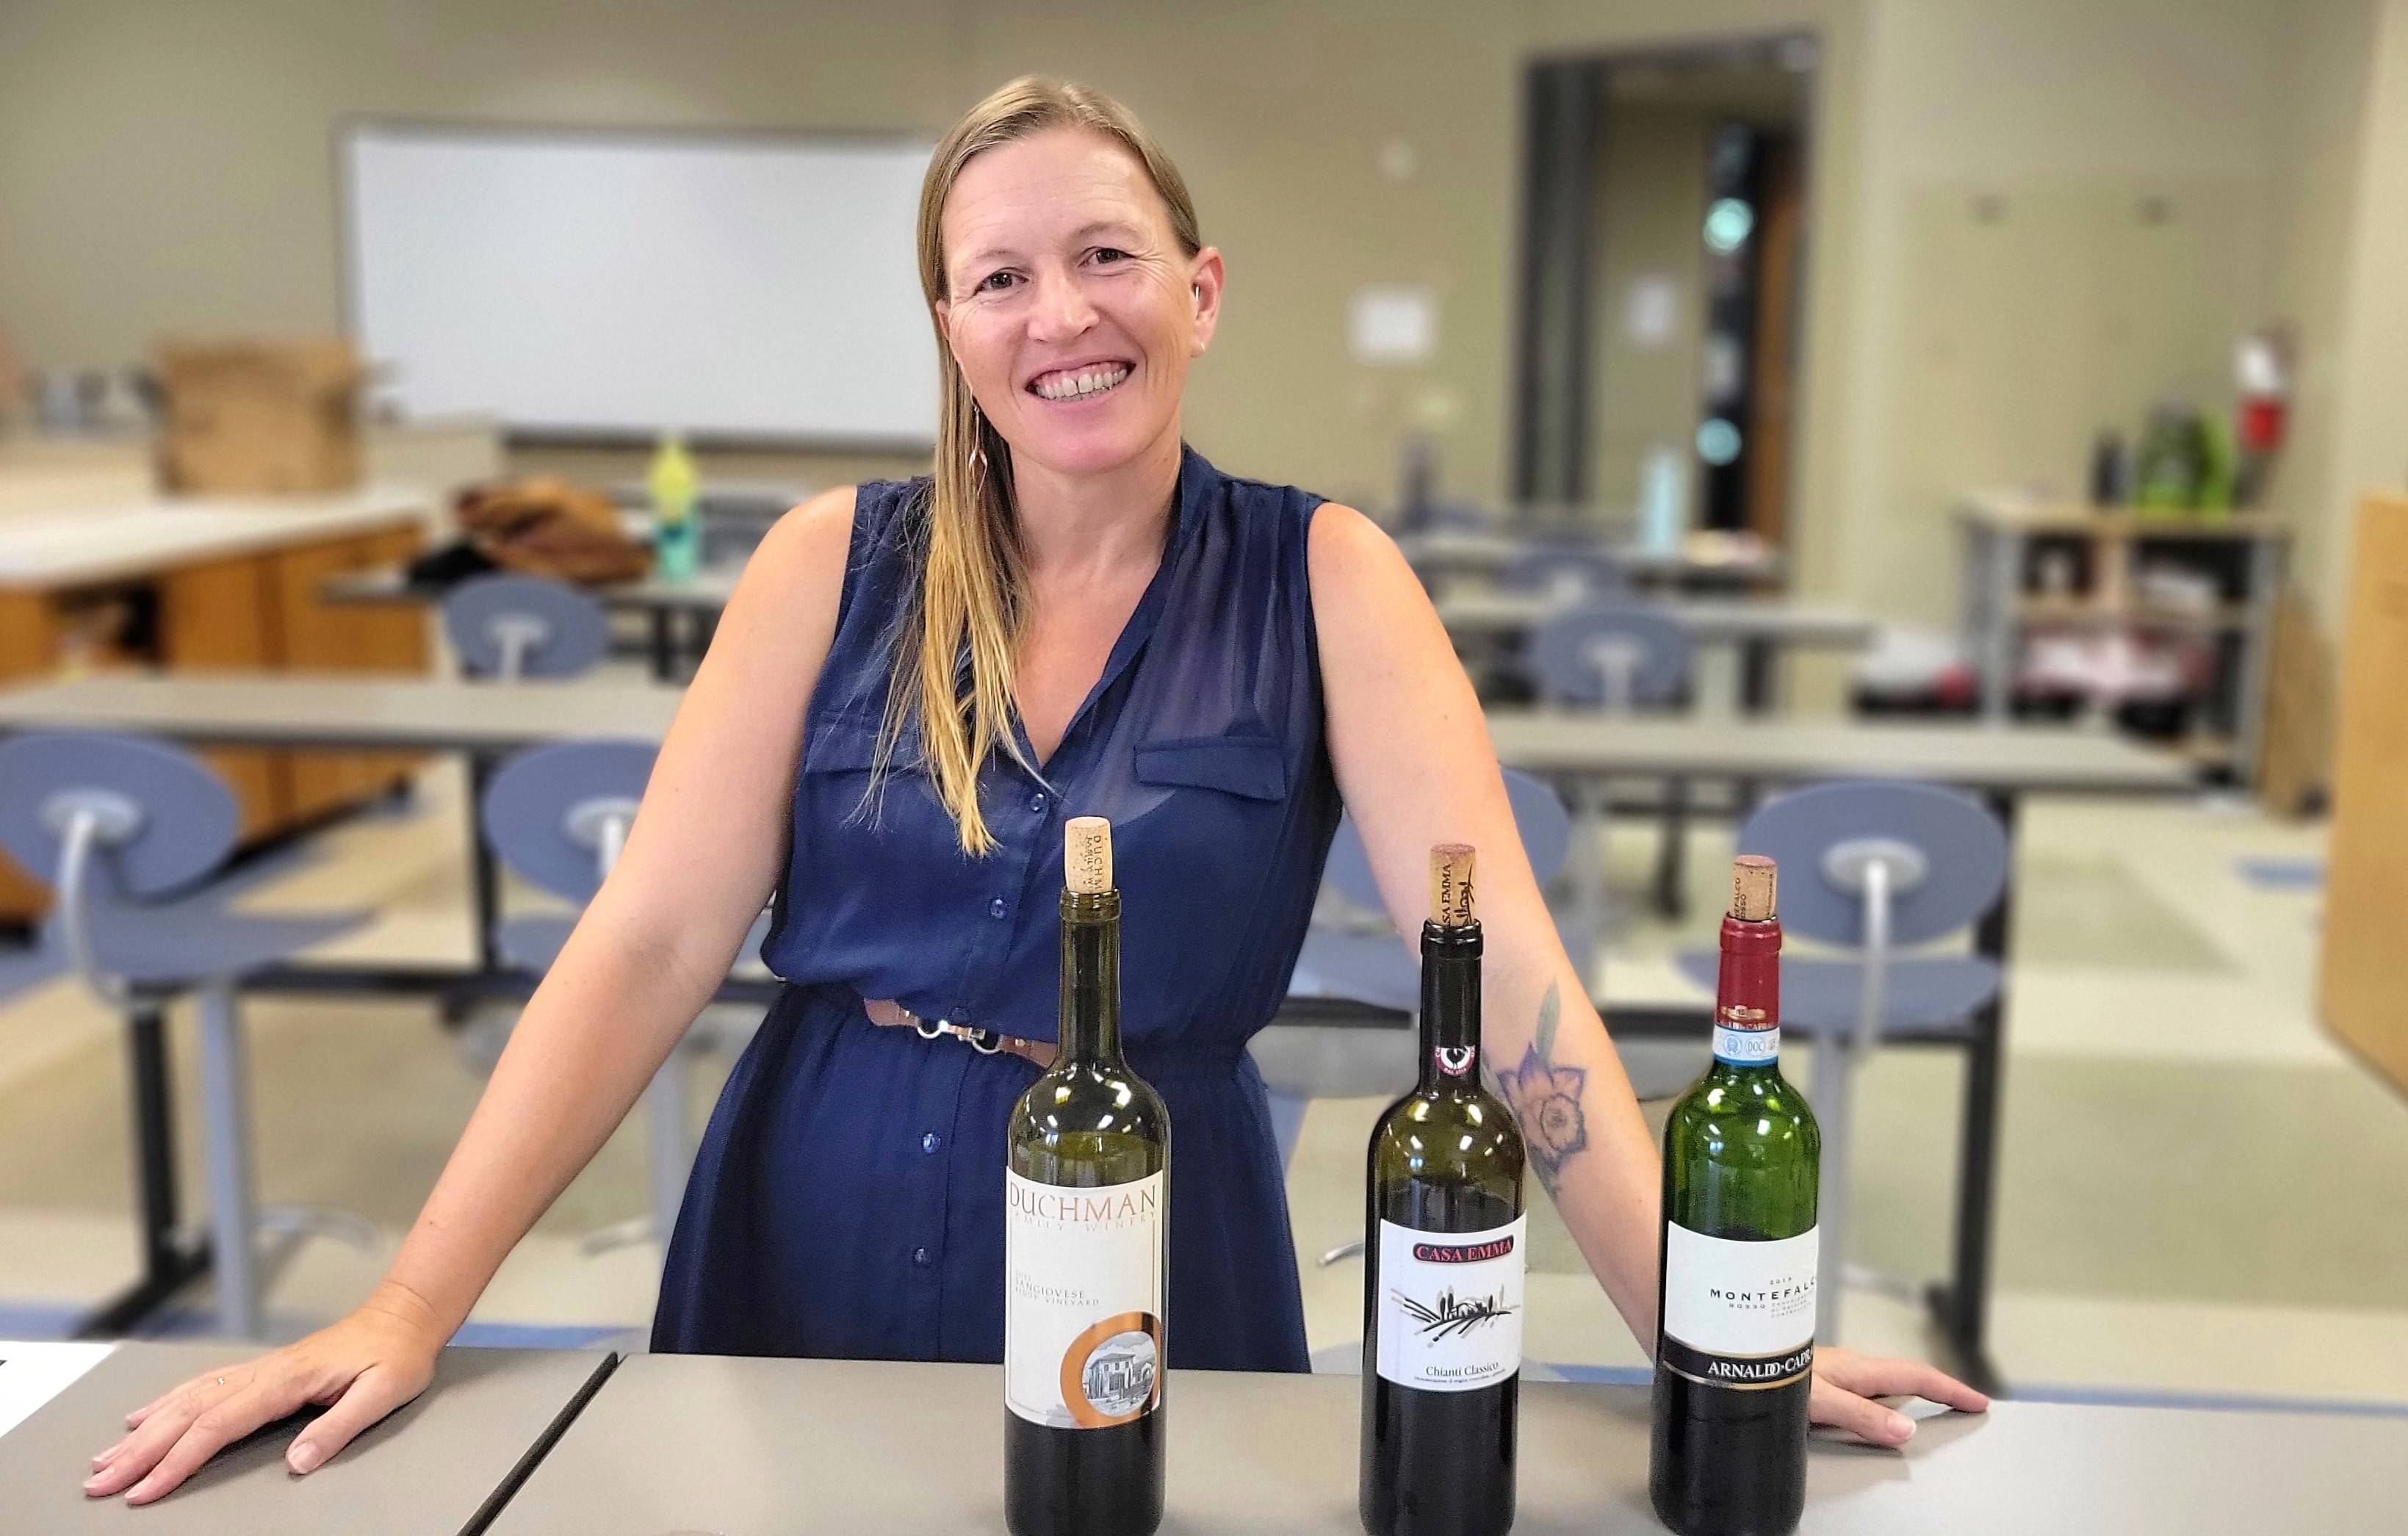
x=1062, y=310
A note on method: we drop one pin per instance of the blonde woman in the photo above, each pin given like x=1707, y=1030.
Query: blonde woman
x=914, y=684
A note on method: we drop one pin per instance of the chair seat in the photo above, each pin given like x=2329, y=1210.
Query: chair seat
x=22, y=969
x=1822, y=997
x=1365, y=968
x=176, y=942
x=531, y=941
x=1334, y=1061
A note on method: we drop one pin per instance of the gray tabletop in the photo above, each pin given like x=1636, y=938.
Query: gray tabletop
x=1707, y=620
x=428, y=1467
x=741, y=1447
x=368, y=712
x=349, y=710
x=2003, y=758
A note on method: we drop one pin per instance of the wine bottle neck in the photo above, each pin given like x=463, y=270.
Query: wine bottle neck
x=1090, y=1020
x=1747, y=996
x=1450, y=1004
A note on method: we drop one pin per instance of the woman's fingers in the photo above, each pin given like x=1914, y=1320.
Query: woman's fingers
x=375, y=1392
x=1868, y=1421
x=163, y=1422
x=1873, y=1376
x=211, y=1431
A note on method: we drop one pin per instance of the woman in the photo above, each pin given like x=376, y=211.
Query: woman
x=912, y=685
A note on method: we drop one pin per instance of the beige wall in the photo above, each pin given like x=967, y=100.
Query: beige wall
x=165, y=165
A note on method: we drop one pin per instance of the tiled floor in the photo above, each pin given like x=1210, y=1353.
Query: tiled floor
x=2194, y=1185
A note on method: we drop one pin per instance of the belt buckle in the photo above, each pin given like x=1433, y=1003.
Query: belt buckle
x=986, y=1043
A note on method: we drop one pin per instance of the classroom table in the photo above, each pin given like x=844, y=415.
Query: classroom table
x=710, y=1444
x=533, y=1442
x=680, y=614
x=435, y=1466
x=2001, y=763
x=1441, y=552
x=1760, y=628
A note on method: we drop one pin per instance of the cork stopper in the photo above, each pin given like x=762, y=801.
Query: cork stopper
x=1753, y=878
x=1451, y=885
x=1087, y=854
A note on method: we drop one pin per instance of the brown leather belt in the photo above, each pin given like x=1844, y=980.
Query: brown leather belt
x=986, y=1043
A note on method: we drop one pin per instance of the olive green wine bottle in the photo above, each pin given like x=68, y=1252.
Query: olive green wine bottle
x=1444, y=1241
x=1086, y=1254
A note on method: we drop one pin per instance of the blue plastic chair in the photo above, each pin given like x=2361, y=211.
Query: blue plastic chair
x=557, y=817
x=1617, y=656
x=510, y=627
x=1874, y=867
x=128, y=831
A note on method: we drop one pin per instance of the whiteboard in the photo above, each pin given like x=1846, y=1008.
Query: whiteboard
x=615, y=284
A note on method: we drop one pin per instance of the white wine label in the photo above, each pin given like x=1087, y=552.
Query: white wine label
x=1737, y=1313
x=1746, y=1047
x=1450, y=1306
x=1083, y=1301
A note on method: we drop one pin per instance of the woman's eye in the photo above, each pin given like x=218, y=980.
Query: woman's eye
x=994, y=282
x=1109, y=255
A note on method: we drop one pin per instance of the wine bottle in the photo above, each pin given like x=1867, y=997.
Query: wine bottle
x=1086, y=1223
x=1735, y=1287
x=1442, y=1256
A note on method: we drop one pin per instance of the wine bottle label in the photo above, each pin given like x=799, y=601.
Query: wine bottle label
x=1450, y=1306
x=1082, y=1301
x=1737, y=1313
x=1746, y=1047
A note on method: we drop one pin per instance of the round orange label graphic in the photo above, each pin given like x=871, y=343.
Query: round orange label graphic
x=1111, y=1374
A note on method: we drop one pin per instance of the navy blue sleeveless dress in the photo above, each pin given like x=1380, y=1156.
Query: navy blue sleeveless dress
x=848, y=1198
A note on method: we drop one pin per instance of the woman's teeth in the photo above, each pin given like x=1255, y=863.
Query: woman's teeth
x=1072, y=386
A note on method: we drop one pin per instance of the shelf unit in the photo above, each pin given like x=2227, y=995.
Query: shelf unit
x=2106, y=547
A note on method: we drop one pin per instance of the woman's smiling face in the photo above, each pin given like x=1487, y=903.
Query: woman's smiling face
x=1070, y=307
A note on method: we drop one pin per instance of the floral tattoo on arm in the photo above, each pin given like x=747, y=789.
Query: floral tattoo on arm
x=1545, y=1098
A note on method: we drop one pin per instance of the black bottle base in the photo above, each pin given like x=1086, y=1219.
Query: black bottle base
x=1082, y=1481
x=1438, y=1463
x=1728, y=1462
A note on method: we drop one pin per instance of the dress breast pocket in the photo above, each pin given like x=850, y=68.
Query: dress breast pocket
x=1253, y=767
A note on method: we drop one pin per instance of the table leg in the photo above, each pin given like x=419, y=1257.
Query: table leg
x=702, y=626
x=485, y=899
x=1963, y=1304
x=168, y=1263
x=1756, y=674
x=1671, y=859
x=664, y=644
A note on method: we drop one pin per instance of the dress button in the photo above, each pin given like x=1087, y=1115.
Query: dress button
x=921, y=1256
x=1037, y=804
x=996, y=908
x=931, y=1142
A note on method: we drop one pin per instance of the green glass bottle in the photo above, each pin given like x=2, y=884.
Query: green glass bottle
x=1086, y=1248
x=1735, y=1289
x=1444, y=1254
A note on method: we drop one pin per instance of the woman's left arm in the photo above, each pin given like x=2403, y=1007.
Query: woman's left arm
x=1414, y=765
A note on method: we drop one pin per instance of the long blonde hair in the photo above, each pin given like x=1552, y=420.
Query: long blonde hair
x=954, y=651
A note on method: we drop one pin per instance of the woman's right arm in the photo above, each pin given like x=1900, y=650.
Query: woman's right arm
x=652, y=946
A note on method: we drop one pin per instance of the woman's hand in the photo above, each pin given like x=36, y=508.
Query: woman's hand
x=362, y=1368
x=1847, y=1383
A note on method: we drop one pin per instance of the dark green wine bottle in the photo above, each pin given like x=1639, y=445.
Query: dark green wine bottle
x=1735, y=1289
x=1444, y=1250
x=1086, y=1254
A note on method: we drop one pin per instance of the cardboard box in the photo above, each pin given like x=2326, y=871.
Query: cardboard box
x=250, y=416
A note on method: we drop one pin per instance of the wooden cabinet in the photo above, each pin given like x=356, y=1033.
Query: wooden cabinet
x=322, y=637
x=249, y=611
x=2360, y=989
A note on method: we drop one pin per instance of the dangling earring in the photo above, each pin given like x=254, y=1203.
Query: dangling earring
x=978, y=448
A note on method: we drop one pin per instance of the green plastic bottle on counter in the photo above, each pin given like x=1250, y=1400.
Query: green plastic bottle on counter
x=677, y=541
